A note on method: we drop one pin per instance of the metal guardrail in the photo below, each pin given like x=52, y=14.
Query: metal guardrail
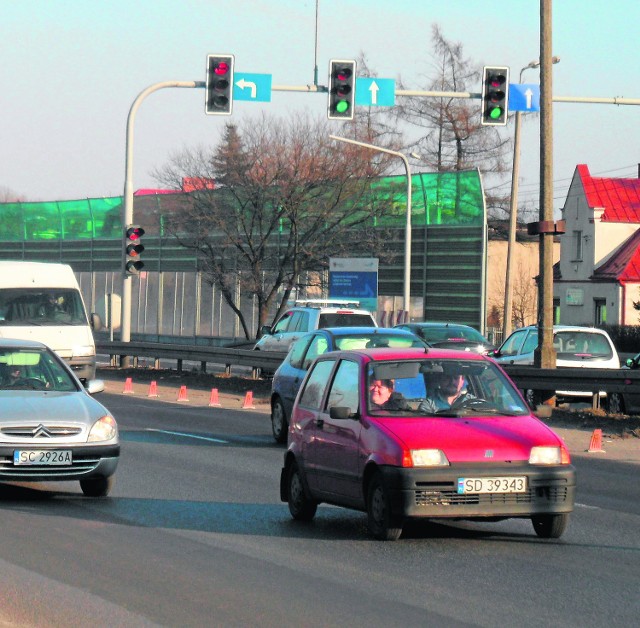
x=578, y=379
x=228, y=357
x=525, y=377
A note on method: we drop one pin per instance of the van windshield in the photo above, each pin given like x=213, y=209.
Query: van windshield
x=41, y=306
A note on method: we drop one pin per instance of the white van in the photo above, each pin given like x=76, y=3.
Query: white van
x=41, y=301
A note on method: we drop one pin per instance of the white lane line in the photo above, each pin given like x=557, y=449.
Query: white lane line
x=587, y=506
x=212, y=440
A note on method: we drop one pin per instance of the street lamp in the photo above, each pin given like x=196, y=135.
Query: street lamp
x=513, y=213
x=407, y=232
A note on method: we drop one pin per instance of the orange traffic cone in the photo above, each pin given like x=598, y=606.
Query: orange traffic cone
x=248, y=401
x=153, y=390
x=128, y=386
x=595, y=446
x=182, y=395
x=213, y=400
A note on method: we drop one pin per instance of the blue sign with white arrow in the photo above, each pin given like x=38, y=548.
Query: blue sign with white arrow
x=524, y=97
x=256, y=87
x=376, y=92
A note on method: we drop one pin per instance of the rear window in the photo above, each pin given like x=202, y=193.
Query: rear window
x=582, y=344
x=343, y=319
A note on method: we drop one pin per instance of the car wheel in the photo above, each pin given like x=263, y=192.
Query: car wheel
x=382, y=524
x=550, y=526
x=97, y=487
x=301, y=506
x=279, y=423
x=615, y=403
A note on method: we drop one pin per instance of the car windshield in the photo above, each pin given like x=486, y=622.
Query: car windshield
x=40, y=306
x=32, y=369
x=441, y=387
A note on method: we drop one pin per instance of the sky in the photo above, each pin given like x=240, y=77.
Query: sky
x=72, y=70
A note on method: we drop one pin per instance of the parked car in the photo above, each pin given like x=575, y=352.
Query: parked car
x=483, y=457
x=580, y=347
x=289, y=375
x=51, y=429
x=450, y=336
x=625, y=403
x=309, y=315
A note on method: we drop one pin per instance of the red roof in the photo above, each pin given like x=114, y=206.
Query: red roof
x=624, y=265
x=620, y=198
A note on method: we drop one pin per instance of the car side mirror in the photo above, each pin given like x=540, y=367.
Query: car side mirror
x=264, y=330
x=341, y=413
x=95, y=321
x=493, y=353
x=630, y=363
x=94, y=386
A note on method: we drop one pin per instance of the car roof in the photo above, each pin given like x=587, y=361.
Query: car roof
x=348, y=331
x=15, y=343
x=409, y=353
x=438, y=324
x=593, y=330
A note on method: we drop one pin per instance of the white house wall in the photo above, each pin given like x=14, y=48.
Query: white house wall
x=577, y=301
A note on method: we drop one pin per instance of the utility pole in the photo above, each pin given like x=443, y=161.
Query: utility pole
x=545, y=354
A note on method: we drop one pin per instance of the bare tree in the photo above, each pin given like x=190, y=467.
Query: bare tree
x=450, y=136
x=286, y=199
x=525, y=296
x=9, y=196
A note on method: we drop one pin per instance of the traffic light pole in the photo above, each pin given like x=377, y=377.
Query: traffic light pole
x=127, y=213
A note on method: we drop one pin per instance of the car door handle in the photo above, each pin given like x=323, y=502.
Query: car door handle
x=319, y=422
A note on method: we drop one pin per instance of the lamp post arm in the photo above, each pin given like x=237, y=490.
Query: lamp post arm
x=407, y=240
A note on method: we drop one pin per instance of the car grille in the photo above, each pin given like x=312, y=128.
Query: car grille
x=41, y=431
x=452, y=498
x=80, y=466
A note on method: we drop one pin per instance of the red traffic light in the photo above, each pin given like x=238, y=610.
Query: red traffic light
x=134, y=233
x=220, y=68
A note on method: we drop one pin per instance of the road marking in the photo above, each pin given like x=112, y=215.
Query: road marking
x=211, y=440
x=587, y=506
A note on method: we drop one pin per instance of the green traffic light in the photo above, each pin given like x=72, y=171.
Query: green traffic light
x=495, y=113
x=342, y=106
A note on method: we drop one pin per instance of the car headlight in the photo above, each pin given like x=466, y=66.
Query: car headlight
x=425, y=458
x=104, y=428
x=549, y=455
x=79, y=351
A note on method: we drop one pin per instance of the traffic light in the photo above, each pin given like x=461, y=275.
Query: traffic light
x=219, y=88
x=133, y=249
x=342, y=89
x=495, y=95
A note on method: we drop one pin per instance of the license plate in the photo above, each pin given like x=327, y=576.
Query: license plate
x=512, y=484
x=45, y=457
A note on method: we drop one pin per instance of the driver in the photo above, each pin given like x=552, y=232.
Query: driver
x=448, y=389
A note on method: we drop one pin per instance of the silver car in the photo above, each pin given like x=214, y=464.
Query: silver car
x=51, y=429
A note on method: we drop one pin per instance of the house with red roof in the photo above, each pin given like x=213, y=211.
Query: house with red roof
x=597, y=279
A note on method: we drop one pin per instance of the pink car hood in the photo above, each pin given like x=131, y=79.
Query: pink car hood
x=473, y=439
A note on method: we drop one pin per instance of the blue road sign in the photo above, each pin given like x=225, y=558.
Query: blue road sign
x=256, y=87
x=524, y=97
x=354, y=278
x=376, y=92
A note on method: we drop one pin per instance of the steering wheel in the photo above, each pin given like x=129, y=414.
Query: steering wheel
x=29, y=382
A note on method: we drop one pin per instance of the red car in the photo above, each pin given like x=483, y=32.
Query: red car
x=422, y=433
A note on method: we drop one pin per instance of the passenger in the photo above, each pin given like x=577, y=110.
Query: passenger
x=448, y=389
x=382, y=396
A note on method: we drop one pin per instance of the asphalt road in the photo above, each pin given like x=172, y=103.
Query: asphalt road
x=194, y=534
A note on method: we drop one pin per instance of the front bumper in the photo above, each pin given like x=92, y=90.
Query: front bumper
x=433, y=492
x=88, y=462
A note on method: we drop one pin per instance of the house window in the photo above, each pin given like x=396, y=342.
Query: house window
x=556, y=311
x=600, y=311
x=577, y=238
